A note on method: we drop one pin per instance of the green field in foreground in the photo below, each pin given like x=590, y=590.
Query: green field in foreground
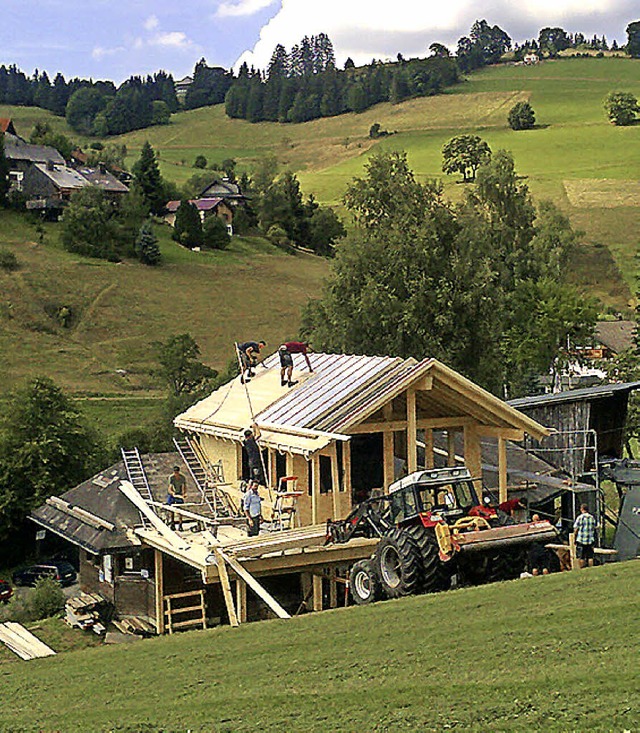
x=547, y=654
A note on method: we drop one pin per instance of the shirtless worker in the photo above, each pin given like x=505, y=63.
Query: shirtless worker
x=249, y=354
x=286, y=359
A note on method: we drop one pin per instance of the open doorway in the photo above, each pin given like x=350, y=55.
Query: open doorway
x=366, y=465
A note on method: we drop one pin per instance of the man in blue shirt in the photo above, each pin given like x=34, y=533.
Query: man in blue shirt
x=585, y=529
x=252, y=505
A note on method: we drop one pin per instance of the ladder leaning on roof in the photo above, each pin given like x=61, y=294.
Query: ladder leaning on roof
x=205, y=476
x=137, y=477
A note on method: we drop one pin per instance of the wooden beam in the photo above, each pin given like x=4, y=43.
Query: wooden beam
x=315, y=489
x=82, y=514
x=428, y=448
x=388, y=459
x=473, y=456
x=226, y=588
x=502, y=469
x=335, y=481
x=241, y=600
x=333, y=589
x=412, y=447
x=272, y=469
x=506, y=433
x=451, y=448
x=159, y=578
x=346, y=469
x=258, y=589
x=317, y=593
x=128, y=489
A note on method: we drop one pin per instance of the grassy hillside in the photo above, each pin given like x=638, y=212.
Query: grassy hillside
x=547, y=654
x=251, y=290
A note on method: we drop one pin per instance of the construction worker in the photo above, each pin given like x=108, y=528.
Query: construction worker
x=176, y=494
x=286, y=359
x=585, y=529
x=249, y=354
x=252, y=505
x=254, y=457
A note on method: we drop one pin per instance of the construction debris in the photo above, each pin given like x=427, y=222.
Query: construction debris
x=87, y=611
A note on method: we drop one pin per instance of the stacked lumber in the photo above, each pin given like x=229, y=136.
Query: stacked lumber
x=86, y=612
x=135, y=625
x=22, y=642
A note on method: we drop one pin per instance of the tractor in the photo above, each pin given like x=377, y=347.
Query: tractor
x=432, y=526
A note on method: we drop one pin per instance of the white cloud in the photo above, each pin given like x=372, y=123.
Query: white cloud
x=366, y=29
x=235, y=8
x=100, y=52
x=151, y=23
x=174, y=39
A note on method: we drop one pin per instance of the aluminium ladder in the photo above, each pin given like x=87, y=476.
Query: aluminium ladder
x=137, y=477
x=204, y=479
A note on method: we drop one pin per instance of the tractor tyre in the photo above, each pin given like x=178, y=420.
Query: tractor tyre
x=364, y=583
x=506, y=565
x=436, y=576
x=398, y=564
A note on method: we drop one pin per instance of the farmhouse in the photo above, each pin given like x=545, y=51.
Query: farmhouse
x=343, y=432
x=206, y=207
x=22, y=156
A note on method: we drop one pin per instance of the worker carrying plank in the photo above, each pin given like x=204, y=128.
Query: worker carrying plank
x=285, y=353
x=249, y=353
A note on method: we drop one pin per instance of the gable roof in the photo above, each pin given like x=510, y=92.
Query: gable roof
x=103, y=179
x=202, y=204
x=6, y=126
x=221, y=188
x=62, y=176
x=342, y=392
x=616, y=335
x=16, y=148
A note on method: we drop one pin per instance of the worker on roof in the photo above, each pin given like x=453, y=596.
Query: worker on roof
x=175, y=495
x=249, y=353
x=286, y=359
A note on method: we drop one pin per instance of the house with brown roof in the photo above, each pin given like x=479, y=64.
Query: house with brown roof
x=614, y=337
x=206, y=207
x=6, y=126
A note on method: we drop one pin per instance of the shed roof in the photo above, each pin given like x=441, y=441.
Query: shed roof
x=341, y=392
x=616, y=335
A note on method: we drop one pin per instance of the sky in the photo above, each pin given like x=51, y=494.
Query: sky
x=112, y=39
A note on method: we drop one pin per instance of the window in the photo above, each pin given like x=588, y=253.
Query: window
x=326, y=484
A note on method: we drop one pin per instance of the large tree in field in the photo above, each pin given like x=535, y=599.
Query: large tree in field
x=633, y=39
x=423, y=277
x=622, y=108
x=90, y=225
x=465, y=154
x=180, y=366
x=46, y=448
x=147, y=173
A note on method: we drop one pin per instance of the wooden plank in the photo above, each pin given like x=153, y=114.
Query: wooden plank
x=572, y=551
x=412, y=446
x=91, y=519
x=506, y=433
x=22, y=642
x=473, y=456
x=143, y=507
x=167, y=600
x=226, y=588
x=315, y=488
x=428, y=448
x=159, y=589
x=258, y=589
x=185, y=624
x=186, y=609
x=241, y=600
x=451, y=448
x=502, y=470
x=188, y=594
x=335, y=481
x=346, y=469
x=317, y=593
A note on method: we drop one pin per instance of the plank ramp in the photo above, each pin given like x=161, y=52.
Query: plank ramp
x=22, y=642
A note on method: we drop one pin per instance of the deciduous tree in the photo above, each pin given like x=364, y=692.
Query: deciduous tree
x=465, y=154
x=180, y=365
x=621, y=108
x=522, y=116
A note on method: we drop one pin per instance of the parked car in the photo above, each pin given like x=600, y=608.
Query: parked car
x=60, y=570
x=6, y=591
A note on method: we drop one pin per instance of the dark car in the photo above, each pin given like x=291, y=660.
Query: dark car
x=6, y=591
x=60, y=570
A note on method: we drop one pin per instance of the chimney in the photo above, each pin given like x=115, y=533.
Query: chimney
x=102, y=167
x=51, y=165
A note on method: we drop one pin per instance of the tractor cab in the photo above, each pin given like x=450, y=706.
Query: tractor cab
x=432, y=496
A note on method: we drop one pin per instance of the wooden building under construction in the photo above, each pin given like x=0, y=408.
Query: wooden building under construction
x=343, y=431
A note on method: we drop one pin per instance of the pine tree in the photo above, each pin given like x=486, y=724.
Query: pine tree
x=147, y=173
x=147, y=249
x=187, y=228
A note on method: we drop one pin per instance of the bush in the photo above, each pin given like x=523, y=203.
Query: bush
x=47, y=599
x=522, y=116
x=200, y=162
x=277, y=235
x=214, y=233
x=8, y=261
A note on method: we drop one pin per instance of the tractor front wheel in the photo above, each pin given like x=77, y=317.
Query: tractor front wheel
x=398, y=564
x=364, y=584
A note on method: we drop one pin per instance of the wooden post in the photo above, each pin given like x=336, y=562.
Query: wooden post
x=428, y=448
x=333, y=589
x=451, y=448
x=572, y=551
x=335, y=481
x=346, y=469
x=388, y=459
x=315, y=489
x=502, y=469
x=226, y=588
x=159, y=574
x=412, y=447
x=317, y=593
x=272, y=469
x=473, y=456
x=241, y=600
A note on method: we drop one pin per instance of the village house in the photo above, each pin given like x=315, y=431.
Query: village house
x=182, y=87
x=343, y=432
x=206, y=207
x=49, y=186
x=22, y=155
